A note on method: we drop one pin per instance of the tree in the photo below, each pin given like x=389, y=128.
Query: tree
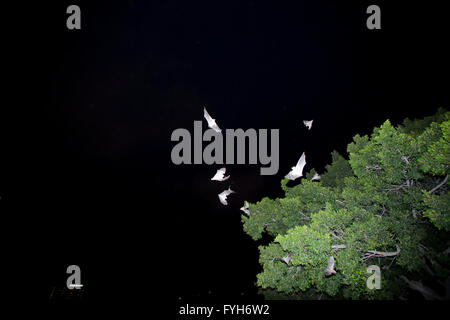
x=387, y=205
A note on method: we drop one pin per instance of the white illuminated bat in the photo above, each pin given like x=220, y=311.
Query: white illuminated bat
x=330, y=268
x=220, y=175
x=245, y=208
x=223, y=196
x=297, y=171
x=316, y=177
x=211, y=122
x=286, y=259
x=308, y=123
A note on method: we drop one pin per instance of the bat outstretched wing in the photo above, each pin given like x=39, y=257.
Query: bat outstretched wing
x=301, y=162
x=207, y=116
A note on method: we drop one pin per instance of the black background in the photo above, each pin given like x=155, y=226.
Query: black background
x=86, y=174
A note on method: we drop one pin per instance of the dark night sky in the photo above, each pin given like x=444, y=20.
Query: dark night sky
x=87, y=175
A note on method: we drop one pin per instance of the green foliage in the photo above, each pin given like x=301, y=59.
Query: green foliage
x=337, y=171
x=417, y=126
x=436, y=158
x=437, y=209
x=387, y=205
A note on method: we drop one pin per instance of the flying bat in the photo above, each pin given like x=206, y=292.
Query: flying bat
x=223, y=196
x=286, y=259
x=330, y=268
x=316, y=177
x=308, y=123
x=297, y=171
x=211, y=122
x=245, y=209
x=220, y=175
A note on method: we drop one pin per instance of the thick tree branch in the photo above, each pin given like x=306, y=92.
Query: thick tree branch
x=385, y=254
x=338, y=246
x=380, y=254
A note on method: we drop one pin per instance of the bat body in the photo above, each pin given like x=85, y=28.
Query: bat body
x=330, y=268
x=316, y=177
x=308, y=124
x=297, y=171
x=223, y=196
x=245, y=209
x=286, y=259
x=220, y=175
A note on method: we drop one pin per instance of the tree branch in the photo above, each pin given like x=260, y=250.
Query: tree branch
x=338, y=246
x=385, y=254
x=380, y=254
x=340, y=202
x=305, y=216
x=428, y=293
x=440, y=184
